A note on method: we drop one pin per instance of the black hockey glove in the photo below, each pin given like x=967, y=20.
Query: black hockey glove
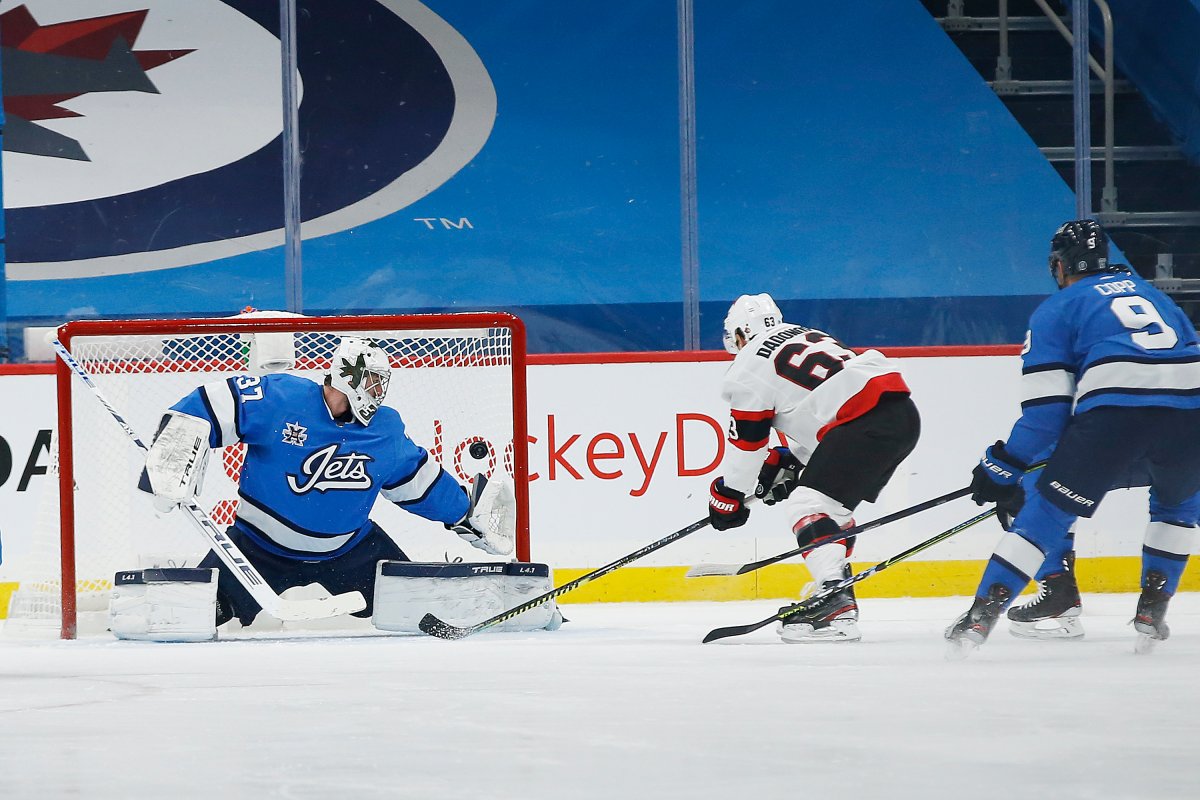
x=726, y=507
x=778, y=477
x=997, y=479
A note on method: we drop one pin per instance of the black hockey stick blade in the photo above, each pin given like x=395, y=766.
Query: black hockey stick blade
x=442, y=630
x=435, y=627
x=737, y=630
x=716, y=570
x=807, y=603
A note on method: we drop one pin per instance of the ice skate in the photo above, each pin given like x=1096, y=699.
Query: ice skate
x=834, y=619
x=1150, y=621
x=1054, y=612
x=971, y=630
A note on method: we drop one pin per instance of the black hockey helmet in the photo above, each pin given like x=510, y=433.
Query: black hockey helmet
x=1082, y=247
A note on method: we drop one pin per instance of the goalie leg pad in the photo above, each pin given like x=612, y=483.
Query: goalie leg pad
x=461, y=594
x=164, y=605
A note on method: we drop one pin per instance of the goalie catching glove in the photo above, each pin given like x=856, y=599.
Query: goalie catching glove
x=779, y=476
x=490, y=522
x=176, y=462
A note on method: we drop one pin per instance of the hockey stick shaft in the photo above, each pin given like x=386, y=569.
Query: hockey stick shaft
x=710, y=570
x=443, y=630
x=808, y=603
x=245, y=572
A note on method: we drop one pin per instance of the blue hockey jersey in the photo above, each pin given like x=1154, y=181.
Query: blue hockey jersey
x=308, y=482
x=1109, y=339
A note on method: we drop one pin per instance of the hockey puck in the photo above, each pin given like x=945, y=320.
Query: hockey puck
x=478, y=450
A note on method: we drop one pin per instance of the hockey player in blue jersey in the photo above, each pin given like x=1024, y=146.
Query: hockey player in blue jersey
x=1111, y=385
x=318, y=455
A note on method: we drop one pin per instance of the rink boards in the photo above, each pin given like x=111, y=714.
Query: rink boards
x=622, y=448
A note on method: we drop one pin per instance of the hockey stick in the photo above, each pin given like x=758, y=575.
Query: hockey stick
x=709, y=570
x=226, y=550
x=444, y=630
x=809, y=602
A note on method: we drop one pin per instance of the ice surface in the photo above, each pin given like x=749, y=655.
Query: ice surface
x=623, y=702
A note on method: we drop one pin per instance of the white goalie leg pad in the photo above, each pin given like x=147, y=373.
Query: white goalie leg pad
x=164, y=605
x=461, y=594
x=178, y=458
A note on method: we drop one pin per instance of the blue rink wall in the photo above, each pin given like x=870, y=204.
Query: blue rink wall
x=525, y=156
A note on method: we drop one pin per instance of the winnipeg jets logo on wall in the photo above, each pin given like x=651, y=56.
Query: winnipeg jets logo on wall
x=325, y=470
x=295, y=433
x=163, y=118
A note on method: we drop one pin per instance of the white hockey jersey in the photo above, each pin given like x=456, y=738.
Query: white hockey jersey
x=803, y=383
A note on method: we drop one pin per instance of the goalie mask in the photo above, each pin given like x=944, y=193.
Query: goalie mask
x=360, y=370
x=750, y=314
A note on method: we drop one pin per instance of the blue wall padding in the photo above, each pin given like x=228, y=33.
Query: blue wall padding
x=851, y=162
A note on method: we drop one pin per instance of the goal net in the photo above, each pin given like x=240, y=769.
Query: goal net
x=458, y=381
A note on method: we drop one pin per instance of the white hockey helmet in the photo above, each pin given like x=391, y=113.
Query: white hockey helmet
x=360, y=370
x=750, y=314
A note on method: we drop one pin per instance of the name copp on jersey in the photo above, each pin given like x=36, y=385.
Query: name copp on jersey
x=308, y=483
x=802, y=382
x=1106, y=340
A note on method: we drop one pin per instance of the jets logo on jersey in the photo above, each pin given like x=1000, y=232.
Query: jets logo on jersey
x=295, y=433
x=134, y=115
x=326, y=470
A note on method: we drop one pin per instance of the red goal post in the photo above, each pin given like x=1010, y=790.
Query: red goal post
x=457, y=379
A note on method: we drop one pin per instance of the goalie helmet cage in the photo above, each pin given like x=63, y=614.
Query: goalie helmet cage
x=457, y=380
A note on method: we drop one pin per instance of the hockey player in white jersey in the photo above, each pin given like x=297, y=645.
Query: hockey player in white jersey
x=849, y=421
x=1111, y=384
x=317, y=457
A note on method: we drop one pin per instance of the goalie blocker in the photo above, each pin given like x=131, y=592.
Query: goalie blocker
x=462, y=594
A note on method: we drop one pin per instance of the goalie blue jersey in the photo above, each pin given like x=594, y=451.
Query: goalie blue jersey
x=308, y=482
x=1109, y=339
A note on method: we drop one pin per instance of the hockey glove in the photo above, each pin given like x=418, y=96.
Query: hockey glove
x=778, y=477
x=489, y=523
x=997, y=479
x=726, y=507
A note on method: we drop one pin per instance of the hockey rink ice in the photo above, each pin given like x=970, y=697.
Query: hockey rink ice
x=622, y=702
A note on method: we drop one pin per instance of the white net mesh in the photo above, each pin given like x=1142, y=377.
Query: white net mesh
x=452, y=386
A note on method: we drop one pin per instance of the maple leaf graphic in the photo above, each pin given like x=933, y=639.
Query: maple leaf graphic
x=45, y=65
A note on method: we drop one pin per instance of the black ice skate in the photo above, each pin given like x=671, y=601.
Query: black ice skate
x=1054, y=612
x=1150, y=621
x=972, y=628
x=834, y=619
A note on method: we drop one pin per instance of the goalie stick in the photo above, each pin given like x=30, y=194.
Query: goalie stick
x=444, y=630
x=809, y=602
x=226, y=550
x=710, y=570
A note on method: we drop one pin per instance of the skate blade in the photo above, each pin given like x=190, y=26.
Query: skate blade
x=838, y=631
x=1058, y=628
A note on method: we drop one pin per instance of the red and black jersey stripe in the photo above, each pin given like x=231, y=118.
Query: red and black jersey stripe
x=750, y=430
